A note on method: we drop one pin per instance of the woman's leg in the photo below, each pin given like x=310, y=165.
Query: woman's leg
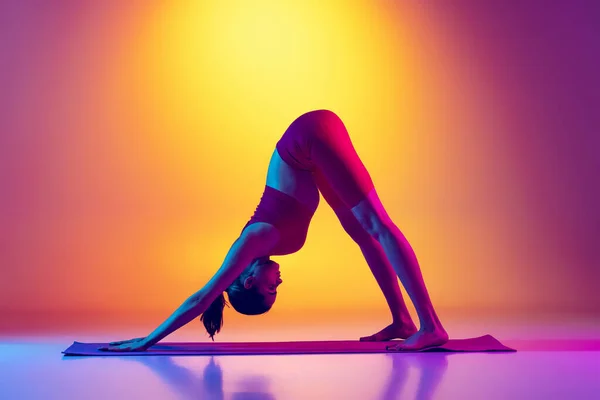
x=373, y=217
x=334, y=156
x=402, y=325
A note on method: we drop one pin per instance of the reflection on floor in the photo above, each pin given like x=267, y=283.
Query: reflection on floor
x=33, y=368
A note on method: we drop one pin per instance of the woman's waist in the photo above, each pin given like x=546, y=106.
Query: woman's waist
x=293, y=182
x=305, y=196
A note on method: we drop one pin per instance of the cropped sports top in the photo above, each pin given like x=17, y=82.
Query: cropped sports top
x=288, y=215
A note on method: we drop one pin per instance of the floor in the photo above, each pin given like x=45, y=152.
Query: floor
x=548, y=365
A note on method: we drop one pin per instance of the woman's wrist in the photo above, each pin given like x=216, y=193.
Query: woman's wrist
x=148, y=342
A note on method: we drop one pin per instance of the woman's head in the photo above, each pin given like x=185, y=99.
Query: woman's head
x=252, y=293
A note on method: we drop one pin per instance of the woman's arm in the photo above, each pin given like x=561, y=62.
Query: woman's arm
x=256, y=241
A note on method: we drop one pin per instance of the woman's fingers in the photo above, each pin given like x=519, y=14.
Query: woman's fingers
x=115, y=348
x=137, y=344
x=124, y=347
x=108, y=348
x=124, y=341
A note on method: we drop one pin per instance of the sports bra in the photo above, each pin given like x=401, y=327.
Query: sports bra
x=288, y=215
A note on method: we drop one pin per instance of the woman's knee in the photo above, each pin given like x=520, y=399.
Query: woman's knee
x=353, y=227
x=373, y=217
x=377, y=227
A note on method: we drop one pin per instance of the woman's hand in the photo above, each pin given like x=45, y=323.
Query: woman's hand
x=137, y=344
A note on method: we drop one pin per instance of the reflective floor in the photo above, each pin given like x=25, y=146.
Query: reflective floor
x=33, y=368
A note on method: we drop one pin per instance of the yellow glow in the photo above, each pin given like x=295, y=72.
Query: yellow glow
x=217, y=83
x=183, y=102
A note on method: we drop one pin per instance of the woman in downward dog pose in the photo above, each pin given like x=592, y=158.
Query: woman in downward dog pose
x=315, y=154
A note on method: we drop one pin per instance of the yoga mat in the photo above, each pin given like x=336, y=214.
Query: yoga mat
x=486, y=343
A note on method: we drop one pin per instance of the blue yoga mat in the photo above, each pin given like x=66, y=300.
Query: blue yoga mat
x=486, y=343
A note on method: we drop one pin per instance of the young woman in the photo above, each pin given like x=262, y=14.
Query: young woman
x=315, y=154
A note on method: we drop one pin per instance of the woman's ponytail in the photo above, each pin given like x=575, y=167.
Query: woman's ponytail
x=212, y=318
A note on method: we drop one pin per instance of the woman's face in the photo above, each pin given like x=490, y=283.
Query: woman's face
x=266, y=278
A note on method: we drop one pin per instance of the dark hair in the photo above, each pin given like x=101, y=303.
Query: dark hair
x=245, y=301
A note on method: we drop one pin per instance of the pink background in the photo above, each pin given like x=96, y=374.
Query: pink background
x=134, y=138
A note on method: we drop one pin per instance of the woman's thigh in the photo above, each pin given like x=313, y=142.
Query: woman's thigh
x=336, y=161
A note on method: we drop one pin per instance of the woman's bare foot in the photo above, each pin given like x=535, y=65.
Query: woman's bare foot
x=421, y=340
x=393, y=331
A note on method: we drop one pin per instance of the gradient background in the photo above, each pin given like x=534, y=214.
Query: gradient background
x=135, y=137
